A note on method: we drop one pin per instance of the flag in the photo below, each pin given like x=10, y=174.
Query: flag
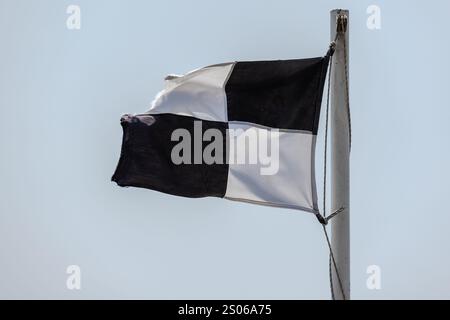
x=243, y=131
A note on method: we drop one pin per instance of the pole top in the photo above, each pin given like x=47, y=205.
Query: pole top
x=337, y=11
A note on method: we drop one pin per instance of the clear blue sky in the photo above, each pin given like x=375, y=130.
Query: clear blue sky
x=61, y=96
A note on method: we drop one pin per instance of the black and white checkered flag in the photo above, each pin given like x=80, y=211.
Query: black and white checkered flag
x=243, y=131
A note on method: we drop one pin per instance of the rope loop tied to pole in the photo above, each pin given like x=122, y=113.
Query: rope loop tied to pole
x=341, y=23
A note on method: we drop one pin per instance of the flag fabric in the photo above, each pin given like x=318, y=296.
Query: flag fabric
x=242, y=131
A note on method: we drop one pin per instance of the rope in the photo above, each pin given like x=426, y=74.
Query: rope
x=335, y=267
x=330, y=275
x=325, y=219
x=325, y=155
x=347, y=100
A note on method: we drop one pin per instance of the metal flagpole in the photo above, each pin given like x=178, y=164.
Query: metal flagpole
x=340, y=141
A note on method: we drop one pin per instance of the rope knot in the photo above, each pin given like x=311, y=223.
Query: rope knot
x=321, y=219
x=331, y=49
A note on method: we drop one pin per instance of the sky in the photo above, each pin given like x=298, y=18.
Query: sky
x=62, y=93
